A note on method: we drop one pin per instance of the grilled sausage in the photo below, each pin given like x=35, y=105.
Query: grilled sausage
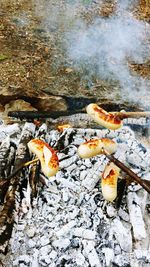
x=109, y=181
x=103, y=118
x=94, y=147
x=47, y=156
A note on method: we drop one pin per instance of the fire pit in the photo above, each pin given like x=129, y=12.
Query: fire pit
x=66, y=221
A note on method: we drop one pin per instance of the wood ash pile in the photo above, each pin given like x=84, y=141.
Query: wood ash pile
x=69, y=223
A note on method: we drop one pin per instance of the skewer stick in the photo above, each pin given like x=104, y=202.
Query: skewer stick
x=132, y=114
x=145, y=184
x=25, y=165
x=21, y=167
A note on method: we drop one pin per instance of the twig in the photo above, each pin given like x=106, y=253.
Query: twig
x=145, y=184
x=21, y=167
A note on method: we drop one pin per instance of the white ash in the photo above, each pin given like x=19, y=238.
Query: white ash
x=12, y=131
x=136, y=217
x=70, y=223
x=136, y=121
x=109, y=255
x=122, y=234
x=90, y=253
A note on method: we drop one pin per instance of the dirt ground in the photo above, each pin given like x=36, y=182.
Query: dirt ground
x=31, y=58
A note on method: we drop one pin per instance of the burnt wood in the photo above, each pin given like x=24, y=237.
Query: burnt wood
x=31, y=115
x=12, y=186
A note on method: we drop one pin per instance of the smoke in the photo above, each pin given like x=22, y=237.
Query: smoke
x=125, y=5
x=106, y=48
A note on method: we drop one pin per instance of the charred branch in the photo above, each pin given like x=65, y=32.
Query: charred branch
x=34, y=179
x=31, y=115
x=6, y=216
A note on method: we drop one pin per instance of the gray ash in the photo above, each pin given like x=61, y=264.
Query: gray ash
x=69, y=223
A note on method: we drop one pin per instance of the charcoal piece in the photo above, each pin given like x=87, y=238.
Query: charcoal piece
x=65, y=139
x=22, y=153
x=97, y=198
x=4, y=152
x=77, y=103
x=75, y=243
x=4, y=184
x=42, y=131
x=10, y=161
x=120, y=192
x=34, y=179
x=6, y=214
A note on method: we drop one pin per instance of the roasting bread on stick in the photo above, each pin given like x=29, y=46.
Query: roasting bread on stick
x=102, y=117
x=94, y=147
x=47, y=156
x=109, y=181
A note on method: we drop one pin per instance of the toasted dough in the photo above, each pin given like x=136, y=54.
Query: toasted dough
x=46, y=155
x=103, y=118
x=109, y=181
x=94, y=147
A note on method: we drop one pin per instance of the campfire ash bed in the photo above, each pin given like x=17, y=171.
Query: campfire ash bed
x=69, y=223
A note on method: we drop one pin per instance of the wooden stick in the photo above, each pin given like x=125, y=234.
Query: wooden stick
x=145, y=184
x=132, y=114
x=21, y=167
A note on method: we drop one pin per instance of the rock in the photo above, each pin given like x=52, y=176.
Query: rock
x=38, y=99
x=53, y=103
x=18, y=104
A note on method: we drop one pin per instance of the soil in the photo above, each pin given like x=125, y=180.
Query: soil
x=32, y=58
